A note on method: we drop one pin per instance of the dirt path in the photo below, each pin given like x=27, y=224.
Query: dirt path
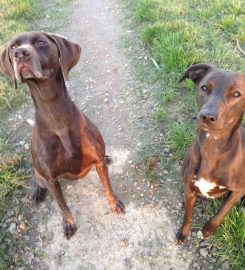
x=102, y=86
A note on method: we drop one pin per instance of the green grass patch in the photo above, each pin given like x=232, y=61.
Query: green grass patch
x=15, y=16
x=230, y=236
x=13, y=174
x=181, y=136
x=161, y=115
x=167, y=96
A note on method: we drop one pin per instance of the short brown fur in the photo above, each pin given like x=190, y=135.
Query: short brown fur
x=217, y=155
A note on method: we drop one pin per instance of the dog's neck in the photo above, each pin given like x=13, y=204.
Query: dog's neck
x=45, y=92
x=213, y=144
x=52, y=102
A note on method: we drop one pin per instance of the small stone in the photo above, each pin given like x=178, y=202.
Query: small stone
x=68, y=187
x=30, y=122
x=225, y=266
x=12, y=227
x=195, y=264
x=123, y=243
x=22, y=143
x=199, y=235
x=106, y=100
x=203, y=252
x=27, y=146
x=165, y=172
x=22, y=227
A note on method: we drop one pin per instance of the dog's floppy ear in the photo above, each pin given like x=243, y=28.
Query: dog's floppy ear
x=196, y=72
x=69, y=53
x=6, y=66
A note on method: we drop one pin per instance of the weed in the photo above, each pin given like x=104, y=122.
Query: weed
x=167, y=96
x=161, y=115
x=180, y=136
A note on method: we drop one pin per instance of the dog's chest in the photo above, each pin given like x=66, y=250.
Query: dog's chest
x=208, y=188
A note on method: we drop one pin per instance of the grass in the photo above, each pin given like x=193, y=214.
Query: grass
x=181, y=136
x=17, y=16
x=230, y=236
x=13, y=173
x=14, y=18
x=179, y=33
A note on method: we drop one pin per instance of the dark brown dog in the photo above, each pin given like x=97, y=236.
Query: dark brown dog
x=64, y=141
x=214, y=165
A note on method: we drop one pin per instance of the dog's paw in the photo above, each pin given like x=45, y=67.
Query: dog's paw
x=118, y=207
x=108, y=160
x=181, y=238
x=69, y=229
x=208, y=229
x=39, y=194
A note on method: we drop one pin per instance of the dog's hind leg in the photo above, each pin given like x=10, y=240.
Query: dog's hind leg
x=40, y=191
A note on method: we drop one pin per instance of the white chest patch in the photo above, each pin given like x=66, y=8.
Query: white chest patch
x=206, y=186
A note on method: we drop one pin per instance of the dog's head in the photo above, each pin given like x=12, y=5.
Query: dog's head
x=221, y=96
x=39, y=56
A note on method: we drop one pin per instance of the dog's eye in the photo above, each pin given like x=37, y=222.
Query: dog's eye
x=204, y=88
x=41, y=42
x=236, y=94
x=13, y=46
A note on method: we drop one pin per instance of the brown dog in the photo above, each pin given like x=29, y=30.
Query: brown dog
x=214, y=165
x=64, y=141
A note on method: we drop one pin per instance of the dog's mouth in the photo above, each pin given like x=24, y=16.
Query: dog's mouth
x=209, y=126
x=24, y=71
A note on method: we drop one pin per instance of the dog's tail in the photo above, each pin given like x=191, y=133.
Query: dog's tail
x=108, y=159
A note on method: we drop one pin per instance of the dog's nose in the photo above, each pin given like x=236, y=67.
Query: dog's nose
x=208, y=116
x=21, y=53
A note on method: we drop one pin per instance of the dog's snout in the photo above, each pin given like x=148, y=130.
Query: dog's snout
x=208, y=116
x=22, y=53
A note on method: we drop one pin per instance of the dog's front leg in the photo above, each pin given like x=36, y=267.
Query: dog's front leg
x=211, y=226
x=115, y=204
x=68, y=221
x=190, y=200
